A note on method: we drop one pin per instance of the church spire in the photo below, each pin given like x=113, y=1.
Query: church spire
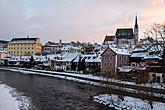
x=136, y=24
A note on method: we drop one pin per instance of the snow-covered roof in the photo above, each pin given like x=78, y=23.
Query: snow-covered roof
x=23, y=40
x=25, y=58
x=125, y=70
x=153, y=56
x=14, y=58
x=120, y=51
x=141, y=47
x=89, y=58
x=139, y=54
x=68, y=47
x=68, y=57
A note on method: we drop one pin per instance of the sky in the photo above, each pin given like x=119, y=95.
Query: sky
x=76, y=20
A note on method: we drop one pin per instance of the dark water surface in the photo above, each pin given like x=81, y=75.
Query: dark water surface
x=48, y=93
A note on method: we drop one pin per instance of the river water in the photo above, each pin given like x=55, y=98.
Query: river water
x=48, y=93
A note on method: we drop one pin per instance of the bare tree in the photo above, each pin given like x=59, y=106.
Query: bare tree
x=157, y=32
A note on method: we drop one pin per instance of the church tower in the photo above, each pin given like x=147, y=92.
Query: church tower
x=136, y=31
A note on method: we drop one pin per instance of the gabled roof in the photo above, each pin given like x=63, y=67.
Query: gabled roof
x=109, y=38
x=126, y=33
x=118, y=51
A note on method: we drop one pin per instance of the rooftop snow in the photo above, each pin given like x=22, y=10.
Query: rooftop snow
x=120, y=51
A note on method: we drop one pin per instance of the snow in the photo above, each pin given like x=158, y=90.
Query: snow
x=10, y=100
x=139, y=54
x=152, y=57
x=122, y=69
x=89, y=58
x=127, y=103
x=120, y=51
x=68, y=57
x=23, y=41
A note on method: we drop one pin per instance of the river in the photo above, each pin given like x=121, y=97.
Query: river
x=48, y=93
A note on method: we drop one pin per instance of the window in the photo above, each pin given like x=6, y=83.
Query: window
x=110, y=64
x=110, y=57
x=133, y=64
x=105, y=64
x=125, y=58
x=120, y=64
x=105, y=57
x=25, y=47
x=120, y=57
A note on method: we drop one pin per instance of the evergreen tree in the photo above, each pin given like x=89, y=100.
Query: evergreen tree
x=83, y=64
x=79, y=64
x=31, y=61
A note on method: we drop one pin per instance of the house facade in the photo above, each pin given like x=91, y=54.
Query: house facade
x=112, y=58
x=24, y=46
x=50, y=48
x=3, y=45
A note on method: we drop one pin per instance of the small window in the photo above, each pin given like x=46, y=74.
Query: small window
x=110, y=57
x=120, y=57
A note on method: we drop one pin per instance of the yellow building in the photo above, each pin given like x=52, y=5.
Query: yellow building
x=24, y=46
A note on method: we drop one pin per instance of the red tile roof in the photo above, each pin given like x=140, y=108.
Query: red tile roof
x=109, y=38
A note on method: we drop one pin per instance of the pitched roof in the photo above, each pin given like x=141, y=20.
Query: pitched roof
x=3, y=41
x=109, y=38
x=126, y=33
x=120, y=51
x=23, y=40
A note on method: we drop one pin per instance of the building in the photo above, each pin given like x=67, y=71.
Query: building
x=112, y=58
x=24, y=46
x=87, y=62
x=3, y=45
x=3, y=55
x=126, y=36
x=109, y=40
x=50, y=48
x=70, y=49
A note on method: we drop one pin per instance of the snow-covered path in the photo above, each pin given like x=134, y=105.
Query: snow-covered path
x=10, y=101
x=127, y=103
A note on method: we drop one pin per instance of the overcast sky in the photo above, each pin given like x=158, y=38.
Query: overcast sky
x=73, y=20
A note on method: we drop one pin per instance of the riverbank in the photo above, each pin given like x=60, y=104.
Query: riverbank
x=11, y=100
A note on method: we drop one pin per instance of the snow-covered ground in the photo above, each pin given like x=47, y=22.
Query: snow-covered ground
x=127, y=103
x=11, y=100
